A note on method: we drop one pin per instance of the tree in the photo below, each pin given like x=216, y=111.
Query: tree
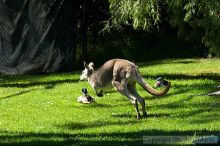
x=203, y=17
x=193, y=18
x=141, y=14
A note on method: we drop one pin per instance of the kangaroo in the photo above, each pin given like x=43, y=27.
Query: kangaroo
x=123, y=76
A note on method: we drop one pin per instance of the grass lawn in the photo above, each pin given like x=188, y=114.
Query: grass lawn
x=42, y=109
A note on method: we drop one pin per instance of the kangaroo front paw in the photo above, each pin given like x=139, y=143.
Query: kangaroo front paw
x=138, y=116
x=99, y=95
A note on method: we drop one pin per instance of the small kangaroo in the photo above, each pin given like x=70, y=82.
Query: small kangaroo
x=123, y=76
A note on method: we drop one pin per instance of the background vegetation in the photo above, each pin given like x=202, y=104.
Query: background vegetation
x=152, y=29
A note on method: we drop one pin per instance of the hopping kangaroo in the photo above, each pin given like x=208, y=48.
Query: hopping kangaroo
x=122, y=75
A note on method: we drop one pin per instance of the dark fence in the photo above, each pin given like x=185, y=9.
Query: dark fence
x=37, y=36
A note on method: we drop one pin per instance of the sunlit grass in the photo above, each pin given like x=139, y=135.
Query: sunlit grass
x=42, y=109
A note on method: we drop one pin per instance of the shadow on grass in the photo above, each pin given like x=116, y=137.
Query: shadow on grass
x=94, y=124
x=130, y=116
x=99, y=105
x=17, y=94
x=210, y=76
x=195, y=113
x=164, y=62
x=48, y=84
x=107, y=139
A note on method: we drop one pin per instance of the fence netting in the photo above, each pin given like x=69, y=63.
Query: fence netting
x=36, y=36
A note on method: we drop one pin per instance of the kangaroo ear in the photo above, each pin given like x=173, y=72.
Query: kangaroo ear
x=91, y=65
x=85, y=65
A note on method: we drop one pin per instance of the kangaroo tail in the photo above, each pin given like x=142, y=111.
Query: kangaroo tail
x=149, y=89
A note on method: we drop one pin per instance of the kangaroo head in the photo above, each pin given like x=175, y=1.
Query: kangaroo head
x=88, y=71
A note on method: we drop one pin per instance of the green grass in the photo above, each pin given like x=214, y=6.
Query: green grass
x=42, y=109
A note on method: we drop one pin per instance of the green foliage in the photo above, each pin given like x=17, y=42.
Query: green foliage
x=42, y=110
x=138, y=13
x=206, y=15
x=176, y=15
x=200, y=18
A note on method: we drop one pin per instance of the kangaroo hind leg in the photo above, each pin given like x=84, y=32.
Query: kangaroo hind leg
x=133, y=91
x=122, y=88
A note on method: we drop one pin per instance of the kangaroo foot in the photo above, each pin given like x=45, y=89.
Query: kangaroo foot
x=145, y=114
